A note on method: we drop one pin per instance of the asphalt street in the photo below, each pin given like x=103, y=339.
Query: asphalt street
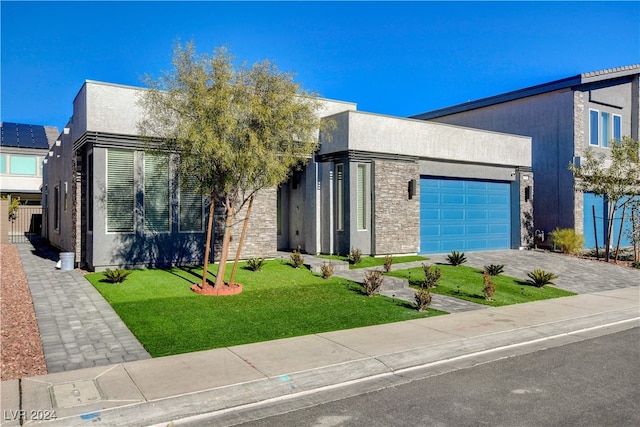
x=595, y=382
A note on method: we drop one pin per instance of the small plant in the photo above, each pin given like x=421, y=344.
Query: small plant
x=327, y=270
x=456, y=258
x=355, y=256
x=372, y=282
x=431, y=276
x=489, y=287
x=423, y=299
x=388, y=260
x=540, y=278
x=255, y=264
x=297, y=258
x=116, y=276
x=494, y=269
x=13, y=208
x=567, y=240
x=635, y=264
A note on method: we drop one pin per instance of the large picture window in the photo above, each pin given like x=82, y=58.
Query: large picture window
x=120, y=191
x=23, y=165
x=156, y=192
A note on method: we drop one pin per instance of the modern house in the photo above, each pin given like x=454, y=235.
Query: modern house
x=385, y=185
x=23, y=148
x=563, y=118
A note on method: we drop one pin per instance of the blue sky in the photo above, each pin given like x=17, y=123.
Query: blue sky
x=391, y=58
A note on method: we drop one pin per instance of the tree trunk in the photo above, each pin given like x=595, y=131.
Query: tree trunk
x=208, y=244
x=241, y=241
x=224, y=252
x=615, y=260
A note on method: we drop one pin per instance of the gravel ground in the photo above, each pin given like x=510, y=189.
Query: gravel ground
x=21, y=352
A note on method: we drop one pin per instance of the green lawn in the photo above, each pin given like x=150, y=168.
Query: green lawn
x=467, y=283
x=277, y=302
x=370, y=261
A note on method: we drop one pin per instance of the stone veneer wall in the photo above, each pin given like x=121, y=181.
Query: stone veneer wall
x=397, y=218
x=261, y=239
x=579, y=142
x=527, y=226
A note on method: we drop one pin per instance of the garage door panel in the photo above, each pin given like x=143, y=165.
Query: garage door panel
x=458, y=214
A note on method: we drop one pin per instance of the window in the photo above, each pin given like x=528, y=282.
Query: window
x=66, y=196
x=120, y=192
x=362, y=200
x=56, y=208
x=23, y=165
x=603, y=128
x=340, y=197
x=606, y=129
x=190, y=207
x=156, y=192
x=3, y=164
x=617, y=128
x=279, y=212
x=89, y=200
x=593, y=127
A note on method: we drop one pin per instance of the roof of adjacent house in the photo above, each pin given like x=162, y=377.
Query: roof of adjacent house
x=27, y=136
x=569, y=82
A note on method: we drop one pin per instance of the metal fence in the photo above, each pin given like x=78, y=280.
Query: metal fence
x=26, y=224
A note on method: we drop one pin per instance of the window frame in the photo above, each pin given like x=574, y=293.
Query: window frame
x=340, y=197
x=146, y=199
x=361, y=197
x=133, y=193
x=202, y=210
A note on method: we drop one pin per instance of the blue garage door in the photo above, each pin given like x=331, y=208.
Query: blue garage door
x=464, y=215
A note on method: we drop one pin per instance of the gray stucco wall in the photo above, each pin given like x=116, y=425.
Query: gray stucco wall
x=549, y=120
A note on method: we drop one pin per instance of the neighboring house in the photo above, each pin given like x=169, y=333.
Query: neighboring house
x=385, y=185
x=563, y=118
x=23, y=149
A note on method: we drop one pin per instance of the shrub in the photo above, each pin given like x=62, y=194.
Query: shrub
x=116, y=276
x=567, y=240
x=540, y=278
x=489, y=287
x=297, y=258
x=431, y=276
x=388, y=260
x=372, y=282
x=494, y=269
x=255, y=264
x=327, y=270
x=355, y=256
x=635, y=264
x=423, y=299
x=456, y=258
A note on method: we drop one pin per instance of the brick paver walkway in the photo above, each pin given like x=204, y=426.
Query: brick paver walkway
x=79, y=329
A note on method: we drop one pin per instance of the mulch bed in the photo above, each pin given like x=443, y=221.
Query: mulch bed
x=21, y=353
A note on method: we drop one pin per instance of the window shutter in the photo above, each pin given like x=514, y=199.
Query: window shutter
x=120, y=199
x=156, y=192
x=190, y=206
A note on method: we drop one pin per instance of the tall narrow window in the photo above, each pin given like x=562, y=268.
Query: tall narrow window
x=594, y=133
x=190, y=206
x=279, y=212
x=89, y=201
x=340, y=197
x=617, y=128
x=3, y=164
x=120, y=191
x=56, y=208
x=606, y=129
x=66, y=196
x=362, y=198
x=156, y=192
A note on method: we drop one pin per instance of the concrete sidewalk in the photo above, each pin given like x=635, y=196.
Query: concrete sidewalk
x=226, y=380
